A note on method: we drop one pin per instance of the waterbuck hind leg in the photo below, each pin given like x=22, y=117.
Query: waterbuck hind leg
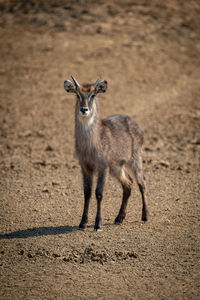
x=87, y=186
x=99, y=195
x=122, y=212
x=138, y=172
x=144, y=202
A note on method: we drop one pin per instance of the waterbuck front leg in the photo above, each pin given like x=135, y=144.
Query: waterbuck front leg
x=87, y=186
x=122, y=212
x=99, y=195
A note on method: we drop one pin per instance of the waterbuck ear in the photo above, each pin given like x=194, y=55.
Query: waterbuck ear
x=101, y=87
x=69, y=87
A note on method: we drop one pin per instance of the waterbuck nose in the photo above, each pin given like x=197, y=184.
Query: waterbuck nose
x=84, y=110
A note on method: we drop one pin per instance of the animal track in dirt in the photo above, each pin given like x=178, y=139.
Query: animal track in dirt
x=101, y=256
x=87, y=255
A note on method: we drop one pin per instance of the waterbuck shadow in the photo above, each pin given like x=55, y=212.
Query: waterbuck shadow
x=38, y=231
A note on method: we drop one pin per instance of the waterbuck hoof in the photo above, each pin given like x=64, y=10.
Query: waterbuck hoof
x=117, y=223
x=119, y=220
x=144, y=218
x=97, y=229
x=82, y=226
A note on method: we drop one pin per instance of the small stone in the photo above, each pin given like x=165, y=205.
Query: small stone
x=21, y=252
x=56, y=255
x=30, y=255
x=164, y=164
x=49, y=148
x=196, y=141
x=12, y=166
x=66, y=259
x=55, y=166
x=147, y=149
x=40, y=163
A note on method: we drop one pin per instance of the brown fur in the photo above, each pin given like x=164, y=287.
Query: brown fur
x=86, y=88
x=111, y=145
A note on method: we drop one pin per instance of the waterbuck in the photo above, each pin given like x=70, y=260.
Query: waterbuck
x=111, y=145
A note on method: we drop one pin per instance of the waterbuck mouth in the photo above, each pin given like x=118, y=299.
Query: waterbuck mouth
x=84, y=111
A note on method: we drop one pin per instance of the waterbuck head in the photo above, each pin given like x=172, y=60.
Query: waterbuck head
x=85, y=95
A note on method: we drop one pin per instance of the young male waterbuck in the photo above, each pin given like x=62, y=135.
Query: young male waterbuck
x=111, y=145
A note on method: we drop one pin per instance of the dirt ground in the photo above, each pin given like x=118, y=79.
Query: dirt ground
x=149, y=52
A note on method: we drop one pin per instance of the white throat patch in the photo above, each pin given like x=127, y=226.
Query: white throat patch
x=91, y=120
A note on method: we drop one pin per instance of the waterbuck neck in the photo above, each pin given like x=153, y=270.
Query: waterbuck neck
x=87, y=130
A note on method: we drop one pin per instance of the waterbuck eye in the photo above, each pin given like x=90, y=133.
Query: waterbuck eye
x=91, y=97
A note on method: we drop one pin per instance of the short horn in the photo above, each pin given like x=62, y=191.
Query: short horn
x=98, y=80
x=77, y=85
